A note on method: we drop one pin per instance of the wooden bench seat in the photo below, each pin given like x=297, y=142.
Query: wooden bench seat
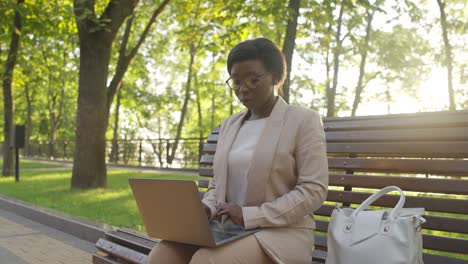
x=425, y=154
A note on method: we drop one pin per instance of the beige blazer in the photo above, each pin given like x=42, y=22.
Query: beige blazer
x=286, y=182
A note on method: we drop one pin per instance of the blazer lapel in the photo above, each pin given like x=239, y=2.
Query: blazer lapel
x=264, y=153
x=221, y=163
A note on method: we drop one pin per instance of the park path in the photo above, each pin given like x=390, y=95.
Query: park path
x=23, y=241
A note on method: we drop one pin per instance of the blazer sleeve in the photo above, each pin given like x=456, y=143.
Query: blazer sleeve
x=210, y=198
x=312, y=181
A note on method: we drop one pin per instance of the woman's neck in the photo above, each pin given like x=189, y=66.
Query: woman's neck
x=264, y=110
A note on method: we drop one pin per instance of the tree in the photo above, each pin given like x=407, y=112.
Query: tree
x=290, y=42
x=96, y=35
x=193, y=36
x=363, y=50
x=448, y=62
x=399, y=57
x=337, y=50
x=126, y=56
x=7, y=80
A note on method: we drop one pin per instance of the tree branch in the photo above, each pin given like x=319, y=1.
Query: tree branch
x=84, y=14
x=124, y=59
x=116, y=12
x=148, y=27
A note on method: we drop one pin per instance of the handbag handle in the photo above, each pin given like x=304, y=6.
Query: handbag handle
x=379, y=194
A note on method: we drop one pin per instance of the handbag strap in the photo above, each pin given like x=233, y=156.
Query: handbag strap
x=379, y=194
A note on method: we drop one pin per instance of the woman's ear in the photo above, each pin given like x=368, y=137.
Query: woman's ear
x=275, y=78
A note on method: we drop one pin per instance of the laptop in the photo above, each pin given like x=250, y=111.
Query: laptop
x=172, y=210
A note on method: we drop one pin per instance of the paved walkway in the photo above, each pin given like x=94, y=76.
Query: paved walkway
x=23, y=241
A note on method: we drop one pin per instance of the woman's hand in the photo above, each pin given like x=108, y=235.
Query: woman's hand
x=232, y=210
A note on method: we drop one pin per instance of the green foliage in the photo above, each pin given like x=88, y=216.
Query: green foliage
x=400, y=48
x=400, y=54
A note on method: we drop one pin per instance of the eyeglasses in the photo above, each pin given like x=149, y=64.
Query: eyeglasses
x=250, y=82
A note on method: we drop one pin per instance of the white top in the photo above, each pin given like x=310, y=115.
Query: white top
x=239, y=159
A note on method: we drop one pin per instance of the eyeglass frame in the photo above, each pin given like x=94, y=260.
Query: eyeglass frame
x=259, y=78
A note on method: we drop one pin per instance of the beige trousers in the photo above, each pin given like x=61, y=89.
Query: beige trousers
x=245, y=250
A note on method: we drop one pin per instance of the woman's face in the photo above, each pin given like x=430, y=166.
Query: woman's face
x=255, y=83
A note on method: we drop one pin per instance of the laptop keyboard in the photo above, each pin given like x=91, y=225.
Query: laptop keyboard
x=221, y=236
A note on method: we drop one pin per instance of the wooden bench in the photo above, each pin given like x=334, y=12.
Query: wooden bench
x=425, y=154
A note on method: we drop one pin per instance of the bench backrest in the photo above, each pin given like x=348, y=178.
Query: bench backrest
x=425, y=154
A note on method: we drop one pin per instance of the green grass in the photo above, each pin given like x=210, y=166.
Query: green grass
x=51, y=189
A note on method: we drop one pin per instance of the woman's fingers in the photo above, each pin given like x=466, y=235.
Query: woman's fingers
x=233, y=211
x=223, y=212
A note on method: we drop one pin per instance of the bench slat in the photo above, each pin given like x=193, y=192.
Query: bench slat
x=437, y=259
x=454, y=149
x=131, y=240
x=431, y=185
x=206, y=171
x=207, y=160
x=423, y=166
x=213, y=138
x=447, y=244
x=421, y=134
x=122, y=252
x=104, y=260
x=209, y=147
x=446, y=205
x=203, y=183
x=318, y=256
x=424, y=120
x=325, y=210
x=447, y=224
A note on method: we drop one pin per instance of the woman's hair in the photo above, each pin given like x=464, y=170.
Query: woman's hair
x=264, y=50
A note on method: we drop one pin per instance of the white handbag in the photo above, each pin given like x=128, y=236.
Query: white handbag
x=386, y=236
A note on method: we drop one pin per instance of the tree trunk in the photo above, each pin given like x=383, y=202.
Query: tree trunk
x=212, y=109
x=184, y=106
x=362, y=67
x=52, y=140
x=160, y=148
x=200, y=119
x=28, y=125
x=199, y=110
x=96, y=37
x=55, y=103
x=89, y=167
x=328, y=68
x=290, y=42
x=331, y=93
x=114, y=155
x=8, y=155
x=448, y=54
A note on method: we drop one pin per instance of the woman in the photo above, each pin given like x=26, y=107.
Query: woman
x=270, y=169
